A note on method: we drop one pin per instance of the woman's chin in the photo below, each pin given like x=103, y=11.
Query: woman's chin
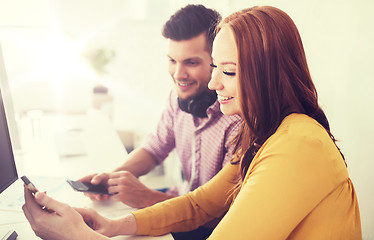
x=228, y=111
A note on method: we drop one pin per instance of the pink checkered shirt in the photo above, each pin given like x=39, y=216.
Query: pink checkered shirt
x=202, y=144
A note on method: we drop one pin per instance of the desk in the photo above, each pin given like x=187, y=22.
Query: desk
x=40, y=161
x=103, y=148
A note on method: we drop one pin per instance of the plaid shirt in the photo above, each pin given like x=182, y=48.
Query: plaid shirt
x=202, y=144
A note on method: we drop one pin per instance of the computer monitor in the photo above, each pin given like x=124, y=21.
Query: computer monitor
x=8, y=172
x=8, y=105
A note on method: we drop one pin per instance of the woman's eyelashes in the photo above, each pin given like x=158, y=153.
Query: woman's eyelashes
x=228, y=73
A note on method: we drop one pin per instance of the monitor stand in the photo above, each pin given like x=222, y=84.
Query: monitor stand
x=10, y=236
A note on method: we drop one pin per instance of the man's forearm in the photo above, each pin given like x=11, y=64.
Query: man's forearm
x=156, y=197
x=139, y=163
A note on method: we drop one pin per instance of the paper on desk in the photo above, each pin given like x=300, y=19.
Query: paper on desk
x=12, y=198
x=11, y=217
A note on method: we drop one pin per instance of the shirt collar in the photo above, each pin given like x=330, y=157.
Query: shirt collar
x=214, y=109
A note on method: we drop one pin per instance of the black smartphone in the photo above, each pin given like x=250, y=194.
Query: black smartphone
x=88, y=187
x=34, y=190
x=29, y=185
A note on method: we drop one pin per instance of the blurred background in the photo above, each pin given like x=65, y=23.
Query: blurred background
x=65, y=56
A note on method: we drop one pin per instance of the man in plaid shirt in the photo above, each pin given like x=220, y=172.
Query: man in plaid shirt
x=192, y=122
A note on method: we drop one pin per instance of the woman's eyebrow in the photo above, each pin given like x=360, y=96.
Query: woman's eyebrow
x=227, y=63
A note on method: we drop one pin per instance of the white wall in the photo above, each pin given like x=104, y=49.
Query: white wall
x=338, y=37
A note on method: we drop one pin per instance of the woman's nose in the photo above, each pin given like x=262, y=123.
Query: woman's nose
x=214, y=83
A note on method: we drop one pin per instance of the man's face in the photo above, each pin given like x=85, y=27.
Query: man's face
x=189, y=66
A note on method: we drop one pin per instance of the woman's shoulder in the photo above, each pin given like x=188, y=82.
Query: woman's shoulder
x=301, y=138
x=301, y=134
x=301, y=126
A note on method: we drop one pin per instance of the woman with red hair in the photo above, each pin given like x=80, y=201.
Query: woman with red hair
x=287, y=180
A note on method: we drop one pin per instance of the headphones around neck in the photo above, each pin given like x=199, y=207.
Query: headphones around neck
x=198, y=105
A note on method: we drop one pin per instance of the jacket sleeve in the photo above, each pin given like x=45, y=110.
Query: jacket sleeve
x=287, y=179
x=192, y=210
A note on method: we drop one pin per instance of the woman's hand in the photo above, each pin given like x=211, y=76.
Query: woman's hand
x=108, y=227
x=97, y=222
x=63, y=223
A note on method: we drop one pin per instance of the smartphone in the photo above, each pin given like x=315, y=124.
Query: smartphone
x=34, y=190
x=88, y=187
x=29, y=185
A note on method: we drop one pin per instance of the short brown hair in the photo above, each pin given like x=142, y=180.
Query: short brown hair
x=191, y=21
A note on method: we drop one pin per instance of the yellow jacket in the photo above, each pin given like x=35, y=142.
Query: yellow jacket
x=297, y=187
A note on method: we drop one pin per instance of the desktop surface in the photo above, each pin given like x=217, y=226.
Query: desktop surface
x=43, y=163
x=13, y=219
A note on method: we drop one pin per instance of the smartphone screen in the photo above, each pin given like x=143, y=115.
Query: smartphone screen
x=29, y=185
x=88, y=187
x=34, y=190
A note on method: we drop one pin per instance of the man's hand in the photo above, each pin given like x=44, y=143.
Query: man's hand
x=96, y=179
x=129, y=190
x=55, y=225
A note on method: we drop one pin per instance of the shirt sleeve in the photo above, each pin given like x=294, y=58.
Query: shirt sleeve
x=192, y=210
x=286, y=180
x=162, y=141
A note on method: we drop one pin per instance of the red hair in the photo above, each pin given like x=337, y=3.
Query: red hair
x=274, y=78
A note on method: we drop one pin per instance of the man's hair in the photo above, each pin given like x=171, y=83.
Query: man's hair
x=191, y=21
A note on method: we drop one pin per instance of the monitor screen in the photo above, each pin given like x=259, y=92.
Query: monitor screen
x=8, y=105
x=8, y=172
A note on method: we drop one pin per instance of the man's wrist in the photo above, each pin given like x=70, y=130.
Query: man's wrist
x=156, y=196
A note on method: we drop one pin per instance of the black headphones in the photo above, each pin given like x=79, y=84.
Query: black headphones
x=198, y=105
